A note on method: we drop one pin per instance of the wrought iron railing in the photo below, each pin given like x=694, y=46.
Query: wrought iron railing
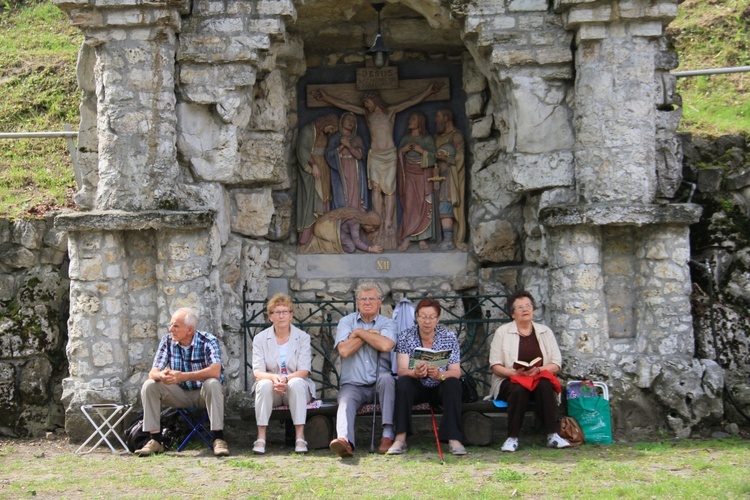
x=474, y=318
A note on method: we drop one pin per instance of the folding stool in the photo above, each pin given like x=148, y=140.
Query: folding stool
x=105, y=413
x=197, y=425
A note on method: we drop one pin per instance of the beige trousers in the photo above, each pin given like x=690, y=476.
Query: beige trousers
x=296, y=398
x=155, y=394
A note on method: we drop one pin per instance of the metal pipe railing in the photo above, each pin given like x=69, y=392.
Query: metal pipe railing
x=68, y=134
x=715, y=71
x=37, y=135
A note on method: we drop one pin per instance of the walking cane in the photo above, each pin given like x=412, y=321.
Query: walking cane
x=437, y=440
x=375, y=403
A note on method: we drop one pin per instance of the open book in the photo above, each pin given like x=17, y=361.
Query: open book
x=523, y=365
x=433, y=358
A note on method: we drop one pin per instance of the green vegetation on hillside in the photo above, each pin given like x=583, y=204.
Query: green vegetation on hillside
x=38, y=51
x=714, y=34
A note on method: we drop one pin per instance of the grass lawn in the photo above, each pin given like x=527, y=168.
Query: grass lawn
x=717, y=468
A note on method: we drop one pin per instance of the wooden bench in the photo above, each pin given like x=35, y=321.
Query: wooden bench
x=474, y=318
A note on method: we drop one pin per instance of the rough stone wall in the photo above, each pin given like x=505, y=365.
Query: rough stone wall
x=719, y=171
x=33, y=310
x=570, y=136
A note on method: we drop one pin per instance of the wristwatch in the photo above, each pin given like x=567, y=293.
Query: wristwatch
x=442, y=377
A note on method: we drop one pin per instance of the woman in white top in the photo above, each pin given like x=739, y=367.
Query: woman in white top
x=281, y=365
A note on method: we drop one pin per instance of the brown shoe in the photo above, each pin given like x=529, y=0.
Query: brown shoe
x=221, y=449
x=342, y=447
x=151, y=448
x=385, y=443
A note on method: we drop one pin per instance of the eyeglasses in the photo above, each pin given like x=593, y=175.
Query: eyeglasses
x=427, y=318
x=368, y=299
x=282, y=313
x=523, y=308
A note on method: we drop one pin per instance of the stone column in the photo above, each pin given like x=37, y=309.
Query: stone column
x=615, y=103
x=576, y=297
x=135, y=47
x=97, y=330
x=184, y=260
x=582, y=265
x=122, y=265
x=665, y=322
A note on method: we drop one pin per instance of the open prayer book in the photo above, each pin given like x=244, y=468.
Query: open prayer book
x=523, y=365
x=432, y=358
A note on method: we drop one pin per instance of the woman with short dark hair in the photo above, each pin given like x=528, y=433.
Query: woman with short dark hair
x=439, y=386
x=524, y=341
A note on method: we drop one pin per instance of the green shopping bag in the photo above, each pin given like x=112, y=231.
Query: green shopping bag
x=594, y=417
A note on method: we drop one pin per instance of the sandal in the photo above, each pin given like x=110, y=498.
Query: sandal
x=457, y=449
x=397, y=448
x=300, y=446
x=259, y=447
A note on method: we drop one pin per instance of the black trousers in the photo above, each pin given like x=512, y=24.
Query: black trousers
x=410, y=391
x=518, y=397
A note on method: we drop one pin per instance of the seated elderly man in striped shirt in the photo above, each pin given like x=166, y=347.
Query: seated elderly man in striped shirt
x=187, y=371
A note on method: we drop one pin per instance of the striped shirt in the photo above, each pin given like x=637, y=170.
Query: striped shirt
x=202, y=352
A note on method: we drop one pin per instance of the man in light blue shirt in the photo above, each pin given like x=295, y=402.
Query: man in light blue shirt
x=364, y=340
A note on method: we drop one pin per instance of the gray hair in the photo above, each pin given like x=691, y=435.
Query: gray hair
x=368, y=285
x=189, y=317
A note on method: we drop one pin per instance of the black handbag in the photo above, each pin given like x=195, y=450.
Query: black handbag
x=468, y=389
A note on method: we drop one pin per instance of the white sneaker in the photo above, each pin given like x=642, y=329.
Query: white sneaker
x=510, y=445
x=555, y=441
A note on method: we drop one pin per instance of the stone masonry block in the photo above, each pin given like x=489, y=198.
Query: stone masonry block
x=263, y=157
x=269, y=26
x=638, y=9
x=207, y=7
x=554, y=55
x=590, y=14
x=222, y=77
x=17, y=257
x=475, y=105
x=542, y=38
x=486, y=26
x=496, y=241
x=527, y=5
x=275, y=8
x=28, y=233
x=221, y=26
x=509, y=58
x=594, y=31
x=486, y=8
x=533, y=172
x=647, y=29
x=252, y=211
x=565, y=3
x=8, y=398
x=142, y=17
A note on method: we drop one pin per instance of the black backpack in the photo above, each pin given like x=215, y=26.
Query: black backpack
x=174, y=428
x=135, y=436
